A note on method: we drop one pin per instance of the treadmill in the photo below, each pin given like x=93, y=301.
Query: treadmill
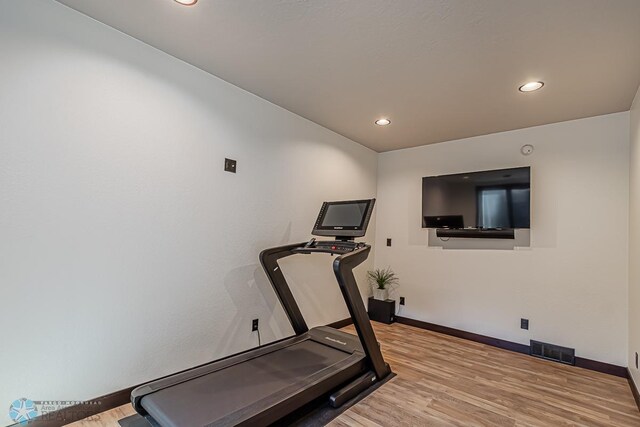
x=262, y=385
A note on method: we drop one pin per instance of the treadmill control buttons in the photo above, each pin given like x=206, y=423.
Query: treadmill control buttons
x=329, y=246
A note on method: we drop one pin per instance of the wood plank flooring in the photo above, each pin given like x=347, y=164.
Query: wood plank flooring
x=447, y=381
x=108, y=418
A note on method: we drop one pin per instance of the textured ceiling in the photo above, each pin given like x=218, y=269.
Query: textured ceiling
x=439, y=69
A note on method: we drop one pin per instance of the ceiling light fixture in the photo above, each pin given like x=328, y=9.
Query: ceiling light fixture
x=383, y=122
x=186, y=2
x=531, y=86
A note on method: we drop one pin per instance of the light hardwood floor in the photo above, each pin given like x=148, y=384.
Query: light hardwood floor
x=447, y=381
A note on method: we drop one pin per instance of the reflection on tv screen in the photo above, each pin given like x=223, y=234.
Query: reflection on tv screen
x=489, y=199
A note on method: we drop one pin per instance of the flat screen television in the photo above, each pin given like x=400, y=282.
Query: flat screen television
x=495, y=199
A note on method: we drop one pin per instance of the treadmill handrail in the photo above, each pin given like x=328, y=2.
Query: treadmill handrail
x=269, y=260
x=343, y=267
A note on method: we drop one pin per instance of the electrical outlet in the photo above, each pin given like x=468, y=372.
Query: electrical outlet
x=230, y=165
x=401, y=300
x=254, y=325
x=636, y=360
x=388, y=242
x=524, y=323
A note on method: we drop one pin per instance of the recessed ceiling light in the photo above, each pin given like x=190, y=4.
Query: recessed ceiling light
x=531, y=86
x=383, y=122
x=187, y=2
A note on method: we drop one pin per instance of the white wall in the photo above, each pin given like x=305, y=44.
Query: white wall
x=572, y=280
x=634, y=240
x=126, y=252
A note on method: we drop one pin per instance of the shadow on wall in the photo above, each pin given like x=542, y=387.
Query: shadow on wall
x=163, y=69
x=314, y=286
x=100, y=44
x=253, y=297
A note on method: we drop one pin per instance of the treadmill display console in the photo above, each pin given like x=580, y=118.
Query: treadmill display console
x=346, y=219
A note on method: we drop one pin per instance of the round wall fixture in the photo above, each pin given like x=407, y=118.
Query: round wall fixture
x=383, y=122
x=526, y=149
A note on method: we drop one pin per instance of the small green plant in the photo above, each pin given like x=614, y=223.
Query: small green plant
x=382, y=278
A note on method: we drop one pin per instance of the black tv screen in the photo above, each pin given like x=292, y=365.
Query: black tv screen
x=489, y=199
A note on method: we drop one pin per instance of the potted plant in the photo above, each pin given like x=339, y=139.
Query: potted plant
x=382, y=281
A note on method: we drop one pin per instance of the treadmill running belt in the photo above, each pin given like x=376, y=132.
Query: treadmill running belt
x=238, y=386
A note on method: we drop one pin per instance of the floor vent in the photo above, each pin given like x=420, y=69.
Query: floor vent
x=553, y=352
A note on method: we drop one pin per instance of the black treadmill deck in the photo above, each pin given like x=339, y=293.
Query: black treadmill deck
x=238, y=390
